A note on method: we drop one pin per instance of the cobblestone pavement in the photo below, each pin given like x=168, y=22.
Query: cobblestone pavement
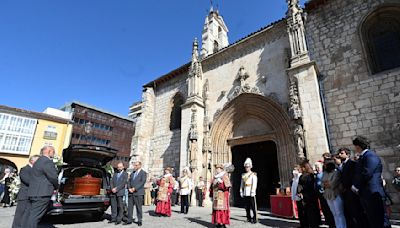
x=197, y=217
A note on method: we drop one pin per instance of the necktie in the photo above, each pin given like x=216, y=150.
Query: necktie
x=135, y=175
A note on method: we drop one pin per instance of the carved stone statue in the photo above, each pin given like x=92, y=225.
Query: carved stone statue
x=193, y=124
x=242, y=76
x=243, y=87
x=299, y=140
x=294, y=109
x=294, y=19
x=193, y=153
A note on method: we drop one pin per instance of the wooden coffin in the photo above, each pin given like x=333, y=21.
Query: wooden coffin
x=85, y=186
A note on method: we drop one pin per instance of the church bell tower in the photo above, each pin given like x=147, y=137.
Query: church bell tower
x=215, y=33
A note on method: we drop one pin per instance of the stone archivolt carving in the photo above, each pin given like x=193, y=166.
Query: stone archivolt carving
x=264, y=109
x=243, y=87
x=274, y=97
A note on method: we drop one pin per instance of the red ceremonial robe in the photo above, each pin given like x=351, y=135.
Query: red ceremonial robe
x=219, y=192
x=165, y=186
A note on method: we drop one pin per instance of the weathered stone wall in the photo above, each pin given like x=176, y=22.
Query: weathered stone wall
x=165, y=144
x=264, y=57
x=357, y=101
x=144, y=129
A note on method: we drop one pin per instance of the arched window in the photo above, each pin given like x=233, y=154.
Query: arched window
x=176, y=112
x=216, y=46
x=219, y=32
x=381, y=36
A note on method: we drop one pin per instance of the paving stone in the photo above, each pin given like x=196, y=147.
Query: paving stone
x=197, y=217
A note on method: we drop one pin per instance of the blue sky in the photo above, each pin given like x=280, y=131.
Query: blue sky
x=101, y=52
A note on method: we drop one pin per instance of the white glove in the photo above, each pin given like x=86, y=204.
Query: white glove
x=241, y=194
x=354, y=189
x=252, y=194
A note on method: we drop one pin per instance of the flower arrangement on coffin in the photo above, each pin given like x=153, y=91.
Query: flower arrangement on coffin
x=14, y=189
x=58, y=161
x=109, y=169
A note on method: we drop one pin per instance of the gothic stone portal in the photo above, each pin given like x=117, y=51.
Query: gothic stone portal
x=252, y=118
x=265, y=164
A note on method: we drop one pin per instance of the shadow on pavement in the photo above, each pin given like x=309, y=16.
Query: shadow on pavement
x=48, y=221
x=152, y=213
x=277, y=223
x=201, y=222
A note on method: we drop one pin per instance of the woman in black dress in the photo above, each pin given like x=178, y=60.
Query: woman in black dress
x=7, y=179
x=308, y=193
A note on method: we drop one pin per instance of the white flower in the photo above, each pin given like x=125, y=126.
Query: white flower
x=58, y=161
x=14, y=188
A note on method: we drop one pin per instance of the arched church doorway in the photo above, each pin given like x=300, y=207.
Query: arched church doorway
x=258, y=127
x=265, y=164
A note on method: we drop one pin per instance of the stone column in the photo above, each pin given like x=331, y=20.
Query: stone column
x=309, y=128
x=191, y=147
x=314, y=130
x=192, y=116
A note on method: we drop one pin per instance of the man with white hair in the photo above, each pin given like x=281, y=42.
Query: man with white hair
x=23, y=206
x=43, y=182
x=248, y=188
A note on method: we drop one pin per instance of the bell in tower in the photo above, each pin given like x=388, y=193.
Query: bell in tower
x=215, y=33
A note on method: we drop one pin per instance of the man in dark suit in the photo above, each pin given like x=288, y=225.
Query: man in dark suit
x=43, y=182
x=23, y=206
x=136, y=192
x=368, y=183
x=352, y=207
x=118, y=184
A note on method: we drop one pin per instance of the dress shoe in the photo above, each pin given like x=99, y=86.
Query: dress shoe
x=139, y=223
x=254, y=221
x=126, y=223
x=117, y=223
x=111, y=221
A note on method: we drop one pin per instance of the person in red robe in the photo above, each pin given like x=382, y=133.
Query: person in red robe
x=165, y=187
x=219, y=193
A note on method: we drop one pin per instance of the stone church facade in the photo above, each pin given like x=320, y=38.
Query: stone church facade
x=306, y=84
